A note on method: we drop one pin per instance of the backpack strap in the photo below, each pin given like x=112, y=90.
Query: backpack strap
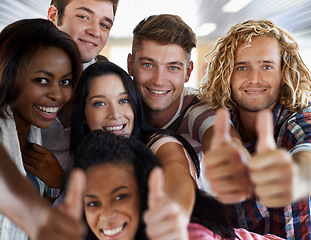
x=176, y=124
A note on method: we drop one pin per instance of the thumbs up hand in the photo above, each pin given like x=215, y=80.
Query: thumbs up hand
x=65, y=221
x=272, y=169
x=225, y=163
x=164, y=218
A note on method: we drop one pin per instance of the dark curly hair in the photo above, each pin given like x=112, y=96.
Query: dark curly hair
x=101, y=147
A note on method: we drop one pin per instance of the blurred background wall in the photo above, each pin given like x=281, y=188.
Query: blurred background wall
x=210, y=19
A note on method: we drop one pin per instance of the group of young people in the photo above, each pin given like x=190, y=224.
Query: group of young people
x=235, y=153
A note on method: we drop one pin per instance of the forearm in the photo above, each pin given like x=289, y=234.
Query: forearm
x=19, y=200
x=179, y=186
x=178, y=183
x=302, y=160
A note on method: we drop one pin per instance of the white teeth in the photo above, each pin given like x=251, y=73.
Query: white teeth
x=158, y=92
x=116, y=128
x=111, y=232
x=48, y=110
x=252, y=92
x=90, y=44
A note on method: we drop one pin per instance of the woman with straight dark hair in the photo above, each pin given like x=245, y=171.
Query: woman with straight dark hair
x=107, y=98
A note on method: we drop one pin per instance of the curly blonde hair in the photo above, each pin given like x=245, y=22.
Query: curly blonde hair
x=215, y=88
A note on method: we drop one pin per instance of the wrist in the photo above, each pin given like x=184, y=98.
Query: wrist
x=52, y=192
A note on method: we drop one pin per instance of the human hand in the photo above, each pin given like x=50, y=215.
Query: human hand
x=164, y=217
x=43, y=164
x=225, y=163
x=271, y=169
x=63, y=222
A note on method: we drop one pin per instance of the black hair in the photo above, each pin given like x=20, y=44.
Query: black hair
x=101, y=147
x=141, y=130
x=19, y=42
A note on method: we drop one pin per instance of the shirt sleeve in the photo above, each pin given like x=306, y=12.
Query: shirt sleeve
x=166, y=139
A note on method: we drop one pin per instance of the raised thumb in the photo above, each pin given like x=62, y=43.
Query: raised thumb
x=264, y=128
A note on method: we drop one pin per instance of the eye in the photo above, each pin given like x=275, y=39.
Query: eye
x=242, y=68
x=107, y=26
x=92, y=204
x=99, y=104
x=173, y=68
x=267, y=67
x=148, y=65
x=124, y=100
x=65, y=82
x=42, y=80
x=83, y=17
x=104, y=25
x=122, y=196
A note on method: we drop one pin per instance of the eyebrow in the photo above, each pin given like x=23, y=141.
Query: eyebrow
x=169, y=63
x=103, y=96
x=247, y=62
x=92, y=12
x=51, y=74
x=114, y=191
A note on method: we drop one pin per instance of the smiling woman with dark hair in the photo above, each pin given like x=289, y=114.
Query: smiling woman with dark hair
x=124, y=198
x=39, y=69
x=107, y=98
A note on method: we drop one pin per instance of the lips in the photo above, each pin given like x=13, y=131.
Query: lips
x=47, y=110
x=89, y=43
x=254, y=91
x=113, y=232
x=159, y=92
x=115, y=128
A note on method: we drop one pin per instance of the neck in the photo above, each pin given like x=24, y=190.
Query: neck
x=247, y=125
x=158, y=119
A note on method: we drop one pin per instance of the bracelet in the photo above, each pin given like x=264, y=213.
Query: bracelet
x=52, y=192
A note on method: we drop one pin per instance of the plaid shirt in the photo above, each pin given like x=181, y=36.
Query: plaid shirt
x=292, y=221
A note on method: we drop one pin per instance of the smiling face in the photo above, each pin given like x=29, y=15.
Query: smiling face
x=111, y=202
x=160, y=72
x=107, y=105
x=44, y=86
x=256, y=78
x=88, y=22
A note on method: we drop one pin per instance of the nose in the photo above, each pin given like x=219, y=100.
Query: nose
x=114, y=111
x=107, y=214
x=93, y=29
x=159, y=77
x=55, y=93
x=255, y=76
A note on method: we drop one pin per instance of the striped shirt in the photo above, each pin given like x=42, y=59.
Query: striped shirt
x=293, y=221
x=197, y=119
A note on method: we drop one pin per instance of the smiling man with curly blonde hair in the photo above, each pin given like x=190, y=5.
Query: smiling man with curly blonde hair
x=257, y=66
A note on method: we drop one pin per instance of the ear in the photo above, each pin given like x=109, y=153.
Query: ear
x=130, y=64
x=53, y=14
x=189, y=71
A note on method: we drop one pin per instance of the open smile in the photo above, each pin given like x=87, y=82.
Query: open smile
x=47, y=110
x=88, y=43
x=113, y=232
x=115, y=128
x=159, y=92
